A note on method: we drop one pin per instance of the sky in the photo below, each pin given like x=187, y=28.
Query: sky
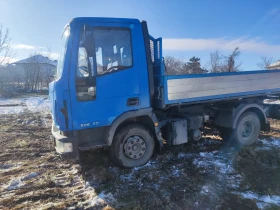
x=188, y=28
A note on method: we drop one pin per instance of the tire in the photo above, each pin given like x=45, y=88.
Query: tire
x=133, y=146
x=247, y=129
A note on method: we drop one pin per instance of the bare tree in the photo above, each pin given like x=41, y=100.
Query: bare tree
x=32, y=70
x=17, y=75
x=265, y=62
x=221, y=63
x=216, y=59
x=173, y=65
x=38, y=71
x=5, y=77
x=230, y=63
x=5, y=45
x=48, y=71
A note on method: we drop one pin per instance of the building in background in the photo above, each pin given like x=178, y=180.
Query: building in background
x=37, y=71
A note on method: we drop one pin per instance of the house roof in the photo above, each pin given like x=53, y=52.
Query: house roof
x=38, y=59
x=276, y=64
x=104, y=20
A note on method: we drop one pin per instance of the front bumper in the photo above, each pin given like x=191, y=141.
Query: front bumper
x=66, y=146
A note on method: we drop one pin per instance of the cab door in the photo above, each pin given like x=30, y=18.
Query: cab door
x=103, y=79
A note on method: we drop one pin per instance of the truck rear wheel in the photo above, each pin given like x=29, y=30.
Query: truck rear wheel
x=133, y=146
x=247, y=130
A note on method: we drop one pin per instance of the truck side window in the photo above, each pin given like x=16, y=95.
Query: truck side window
x=83, y=70
x=85, y=76
x=99, y=60
x=112, y=49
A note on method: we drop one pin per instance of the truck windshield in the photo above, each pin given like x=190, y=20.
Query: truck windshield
x=113, y=49
x=60, y=64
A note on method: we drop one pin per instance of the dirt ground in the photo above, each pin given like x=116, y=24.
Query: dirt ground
x=205, y=175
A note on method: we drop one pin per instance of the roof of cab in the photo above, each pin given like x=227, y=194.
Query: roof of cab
x=104, y=19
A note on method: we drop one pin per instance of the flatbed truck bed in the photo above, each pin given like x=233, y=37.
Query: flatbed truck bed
x=199, y=88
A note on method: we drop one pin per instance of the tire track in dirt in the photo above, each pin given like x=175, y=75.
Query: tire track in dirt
x=26, y=149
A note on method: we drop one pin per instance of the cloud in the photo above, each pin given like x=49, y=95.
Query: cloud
x=272, y=14
x=24, y=47
x=8, y=60
x=51, y=55
x=26, y=50
x=268, y=22
x=245, y=44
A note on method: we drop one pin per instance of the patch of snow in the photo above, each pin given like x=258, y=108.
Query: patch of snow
x=7, y=166
x=38, y=104
x=11, y=109
x=14, y=184
x=87, y=185
x=233, y=181
x=32, y=104
x=11, y=101
x=204, y=190
x=74, y=170
x=224, y=167
x=213, y=159
x=149, y=164
x=19, y=182
x=130, y=176
x=102, y=199
x=8, y=108
x=126, y=177
x=206, y=154
x=44, y=165
x=271, y=143
x=175, y=172
x=30, y=176
x=219, y=164
x=262, y=201
x=185, y=155
x=200, y=163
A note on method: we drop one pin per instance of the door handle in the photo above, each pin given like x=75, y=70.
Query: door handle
x=132, y=101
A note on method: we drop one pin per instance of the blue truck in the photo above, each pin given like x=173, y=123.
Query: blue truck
x=111, y=90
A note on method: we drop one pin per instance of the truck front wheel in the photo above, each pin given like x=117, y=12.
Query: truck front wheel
x=247, y=129
x=133, y=146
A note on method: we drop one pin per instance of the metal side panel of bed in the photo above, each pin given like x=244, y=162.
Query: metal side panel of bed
x=203, y=87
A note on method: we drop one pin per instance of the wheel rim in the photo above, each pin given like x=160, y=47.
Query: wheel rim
x=247, y=129
x=134, y=147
